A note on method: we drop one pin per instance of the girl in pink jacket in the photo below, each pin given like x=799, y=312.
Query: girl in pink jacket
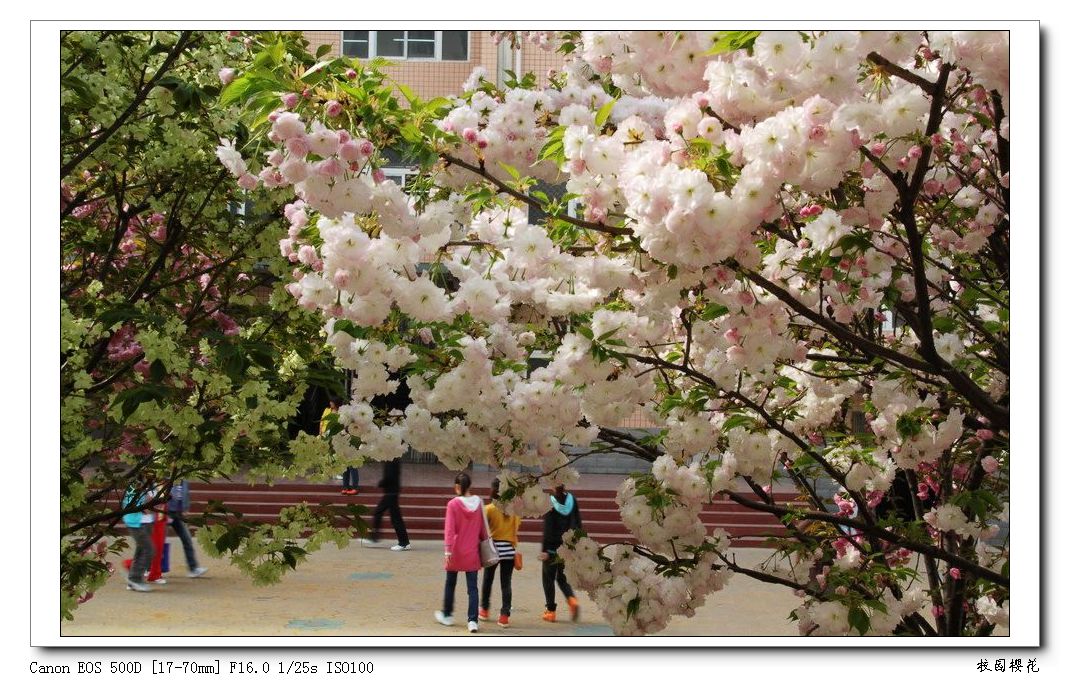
x=464, y=531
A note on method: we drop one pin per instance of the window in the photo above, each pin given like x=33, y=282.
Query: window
x=400, y=175
x=355, y=43
x=407, y=45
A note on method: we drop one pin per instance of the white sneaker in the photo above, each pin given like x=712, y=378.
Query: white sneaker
x=197, y=572
x=369, y=543
x=473, y=626
x=160, y=580
x=443, y=619
x=399, y=547
x=137, y=586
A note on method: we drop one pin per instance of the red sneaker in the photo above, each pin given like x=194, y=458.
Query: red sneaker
x=574, y=607
x=484, y=614
x=503, y=621
x=549, y=616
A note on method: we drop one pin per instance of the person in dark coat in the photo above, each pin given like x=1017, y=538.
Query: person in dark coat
x=391, y=486
x=177, y=506
x=564, y=515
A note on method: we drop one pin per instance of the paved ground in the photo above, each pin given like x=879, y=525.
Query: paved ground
x=375, y=592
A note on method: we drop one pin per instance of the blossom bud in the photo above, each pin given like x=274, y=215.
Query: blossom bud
x=985, y=434
x=247, y=181
x=351, y=74
x=333, y=108
x=878, y=148
x=226, y=75
x=989, y=464
x=915, y=152
x=350, y=151
x=289, y=100
x=298, y=146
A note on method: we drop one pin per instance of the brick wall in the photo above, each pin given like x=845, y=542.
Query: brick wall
x=538, y=61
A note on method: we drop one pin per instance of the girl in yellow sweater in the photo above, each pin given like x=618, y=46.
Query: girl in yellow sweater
x=504, y=530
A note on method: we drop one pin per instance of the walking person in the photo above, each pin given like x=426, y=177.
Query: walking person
x=177, y=506
x=505, y=531
x=140, y=530
x=464, y=532
x=564, y=515
x=350, y=478
x=158, y=527
x=390, y=502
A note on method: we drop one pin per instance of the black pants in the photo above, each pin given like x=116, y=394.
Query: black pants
x=554, y=572
x=389, y=502
x=350, y=478
x=506, y=566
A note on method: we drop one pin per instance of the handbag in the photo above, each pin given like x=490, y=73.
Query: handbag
x=518, y=561
x=488, y=553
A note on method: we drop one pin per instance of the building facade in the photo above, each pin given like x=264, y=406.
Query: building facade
x=437, y=63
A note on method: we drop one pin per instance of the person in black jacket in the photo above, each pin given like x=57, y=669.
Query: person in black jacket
x=564, y=515
x=391, y=486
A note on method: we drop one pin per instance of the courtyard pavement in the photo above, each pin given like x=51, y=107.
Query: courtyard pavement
x=374, y=592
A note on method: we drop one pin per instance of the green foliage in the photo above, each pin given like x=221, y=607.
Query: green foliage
x=180, y=352
x=730, y=41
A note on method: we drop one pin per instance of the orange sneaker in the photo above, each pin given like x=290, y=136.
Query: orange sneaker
x=484, y=614
x=574, y=607
x=503, y=621
x=549, y=616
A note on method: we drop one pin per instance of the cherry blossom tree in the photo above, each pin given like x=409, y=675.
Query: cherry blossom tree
x=791, y=252
x=181, y=355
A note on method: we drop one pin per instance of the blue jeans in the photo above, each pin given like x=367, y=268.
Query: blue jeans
x=179, y=525
x=471, y=578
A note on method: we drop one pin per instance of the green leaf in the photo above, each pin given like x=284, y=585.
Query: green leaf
x=713, y=311
x=858, y=619
x=943, y=324
x=409, y=94
x=170, y=82
x=737, y=421
x=323, y=50
x=729, y=41
x=131, y=398
x=118, y=314
x=349, y=328
x=602, y=116
x=157, y=370
x=511, y=170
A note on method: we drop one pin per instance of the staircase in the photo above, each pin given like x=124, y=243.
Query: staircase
x=424, y=507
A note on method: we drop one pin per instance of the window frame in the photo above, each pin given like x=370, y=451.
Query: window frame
x=342, y=44
x=373, y=47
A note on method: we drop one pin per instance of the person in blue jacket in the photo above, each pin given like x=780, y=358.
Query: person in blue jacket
x=177, y=505
x=139, y=524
